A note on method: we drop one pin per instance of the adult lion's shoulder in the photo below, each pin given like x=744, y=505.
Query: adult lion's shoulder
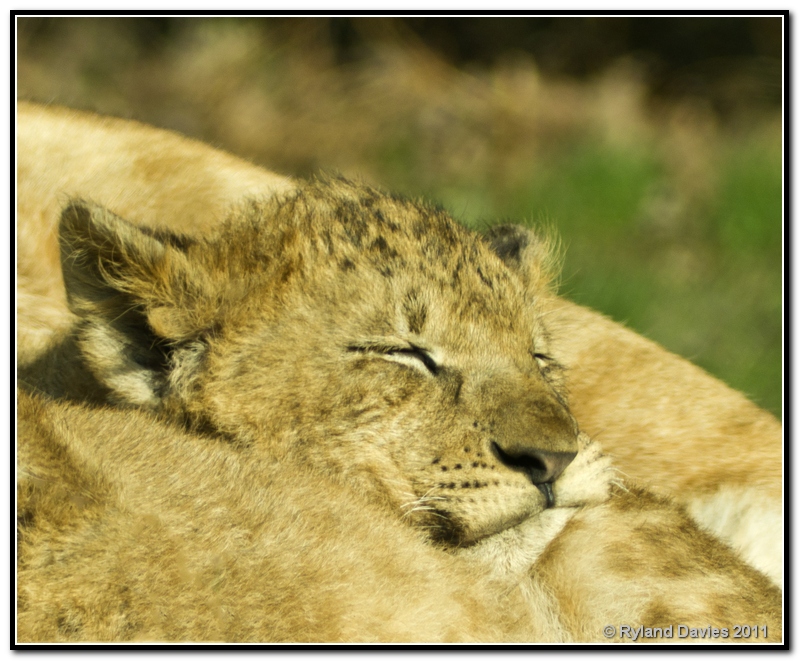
x=144, y=173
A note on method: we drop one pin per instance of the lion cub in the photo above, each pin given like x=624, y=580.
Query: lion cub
x=338, y=327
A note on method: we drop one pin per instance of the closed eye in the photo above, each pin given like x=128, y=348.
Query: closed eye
x=408, y=355
x=418, y=354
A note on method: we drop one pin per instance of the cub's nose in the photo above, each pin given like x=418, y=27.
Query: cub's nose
x=533, y=432
x=542, y=466
x=539, y=437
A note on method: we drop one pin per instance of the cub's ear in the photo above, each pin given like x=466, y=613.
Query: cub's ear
x=536, y=259
x=137, y=295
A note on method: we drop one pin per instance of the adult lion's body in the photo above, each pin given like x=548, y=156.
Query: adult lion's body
x=367, y=341
x=218, y=546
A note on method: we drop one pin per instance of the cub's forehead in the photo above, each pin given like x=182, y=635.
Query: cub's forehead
x=428, y=259
x=346, y=237
x=348, y=224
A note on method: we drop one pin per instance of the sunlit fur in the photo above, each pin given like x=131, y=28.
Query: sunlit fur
x=273, y=337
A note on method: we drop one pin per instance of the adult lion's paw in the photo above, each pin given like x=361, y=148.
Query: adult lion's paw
x=588, y=479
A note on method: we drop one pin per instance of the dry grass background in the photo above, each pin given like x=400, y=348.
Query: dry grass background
x=669, y=207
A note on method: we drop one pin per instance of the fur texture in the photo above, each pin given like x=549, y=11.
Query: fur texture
x=707, y=445
x=383, y=356
x=131, y=529
x=712, y=450
x=399, y=323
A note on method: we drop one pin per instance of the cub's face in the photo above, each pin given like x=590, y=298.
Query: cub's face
x=370, y=337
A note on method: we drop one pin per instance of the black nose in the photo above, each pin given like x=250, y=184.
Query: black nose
x=542, y=466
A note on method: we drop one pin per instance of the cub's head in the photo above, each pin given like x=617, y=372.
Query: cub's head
x=370, y=336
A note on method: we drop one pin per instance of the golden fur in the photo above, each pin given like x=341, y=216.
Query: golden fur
x=355, y=321
x=131, y=529
x=707, y=445
x=141, y=172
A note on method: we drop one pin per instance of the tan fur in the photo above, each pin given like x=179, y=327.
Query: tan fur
x=367, y=340
x=595, y=568
x=718, y=439
x=708, y=445
x=141, y=172
x=219, y=545
x=399, y=325
x=131, y=529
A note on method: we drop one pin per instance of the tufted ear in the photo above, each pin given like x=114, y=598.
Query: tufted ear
x=134, y=290
x=536, y=259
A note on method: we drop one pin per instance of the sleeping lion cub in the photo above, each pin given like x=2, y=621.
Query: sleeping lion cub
x=325, y=349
